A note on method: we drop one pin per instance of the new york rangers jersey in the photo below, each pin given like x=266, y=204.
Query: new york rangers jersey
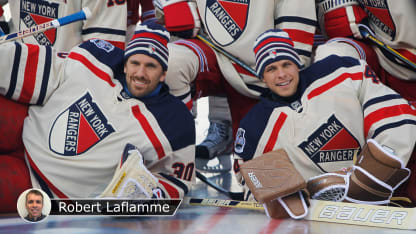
x=340, y=103
x=393, y=24
x=82, y=119
x=234, y=25
x=108, y=21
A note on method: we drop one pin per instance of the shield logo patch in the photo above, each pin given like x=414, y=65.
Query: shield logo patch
x=226, y=19
x=331, y=142
x=78, y=128
x=35, y=12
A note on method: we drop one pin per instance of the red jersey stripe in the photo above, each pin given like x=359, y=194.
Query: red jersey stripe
x=173, y=192
x=321, y=89
x=275, y=132
x=30, y=74
x=149, y=131
x=300, y=36
x=50, y=185
x=94, y=69
x=385, y=113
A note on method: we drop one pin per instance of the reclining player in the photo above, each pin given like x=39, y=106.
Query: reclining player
x=85, y=112
x=315, y=121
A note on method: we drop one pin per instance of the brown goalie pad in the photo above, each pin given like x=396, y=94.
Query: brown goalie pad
x=294, y=206
x=376, y=175
x=272, y=175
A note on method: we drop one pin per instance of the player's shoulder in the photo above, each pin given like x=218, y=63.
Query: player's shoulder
x=329, y=65
x=102, y=51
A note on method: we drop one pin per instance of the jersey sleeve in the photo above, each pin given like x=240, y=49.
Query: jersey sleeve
x=298, y=19
x=30, y=73
x=108, y=21
x=388, y=118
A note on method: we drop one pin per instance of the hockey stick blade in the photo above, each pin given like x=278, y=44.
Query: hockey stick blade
x=85, y=13
x=232, y=195
x=366, y=33
x=335, y=212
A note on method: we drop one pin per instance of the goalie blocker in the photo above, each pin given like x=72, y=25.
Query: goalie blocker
x=276, y=183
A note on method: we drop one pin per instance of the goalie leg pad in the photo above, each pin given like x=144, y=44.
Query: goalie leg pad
x=272, y=175
x=133, y=180
x=376, y=175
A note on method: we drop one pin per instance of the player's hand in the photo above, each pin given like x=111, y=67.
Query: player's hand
x=341, y=19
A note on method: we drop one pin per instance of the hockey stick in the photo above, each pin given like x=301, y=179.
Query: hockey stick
x=228, y=55
x=366, y=33
x=85, y=13
x=232, y=195
x=335, y=212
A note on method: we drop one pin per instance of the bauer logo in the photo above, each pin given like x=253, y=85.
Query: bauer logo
x=226, y=20
x=331, y=142
x=79, y=127
x=254, y=179
x=35, y=12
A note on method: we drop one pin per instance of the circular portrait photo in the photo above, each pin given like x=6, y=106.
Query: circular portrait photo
x=33, y=205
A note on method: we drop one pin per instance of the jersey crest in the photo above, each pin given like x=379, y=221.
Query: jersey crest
x=79, y=127
x=35, y=12
x=379, y=14
x=226, y=19
x=331, y=142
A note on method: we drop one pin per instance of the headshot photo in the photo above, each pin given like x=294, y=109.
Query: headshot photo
x=33, y=205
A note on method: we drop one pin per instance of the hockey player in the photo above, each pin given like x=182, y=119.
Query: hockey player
x=323, y=115
x=108, y=21
x=389, y=22
x=85, y=111
x=233, y=26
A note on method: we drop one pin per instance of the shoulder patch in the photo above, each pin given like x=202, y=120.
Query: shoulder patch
x=104, y=45
x=240, y=140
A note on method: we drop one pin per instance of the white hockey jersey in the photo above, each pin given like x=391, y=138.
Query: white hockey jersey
x=340, y=104
x=234, y=25
x=393, y=23
x=108, y=21
x=82, y=119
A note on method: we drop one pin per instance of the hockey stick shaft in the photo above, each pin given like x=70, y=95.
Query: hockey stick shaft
x=394, y=52
x=228, y=55
x=335, y=212
x=232, y=195
x=81, y=15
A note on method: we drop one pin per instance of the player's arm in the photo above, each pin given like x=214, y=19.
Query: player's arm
x=298, y=19
x=29, y=73
x=108, y=21
x=389, y=119
x=180, y=17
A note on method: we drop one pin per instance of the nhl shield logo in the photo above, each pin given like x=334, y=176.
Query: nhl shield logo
x=78, y=128
x=226, y=19
x=35, y=12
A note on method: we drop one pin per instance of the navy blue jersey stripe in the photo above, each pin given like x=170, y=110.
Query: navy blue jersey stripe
x=381, y=99
x=15, y=70
x=176, y=182
x=303, y=52
x=257, y=88
x=392, y=125
x=45, y=77
x=295, y=19
x=107, y=54
x=173, y=117
x=104, y=30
